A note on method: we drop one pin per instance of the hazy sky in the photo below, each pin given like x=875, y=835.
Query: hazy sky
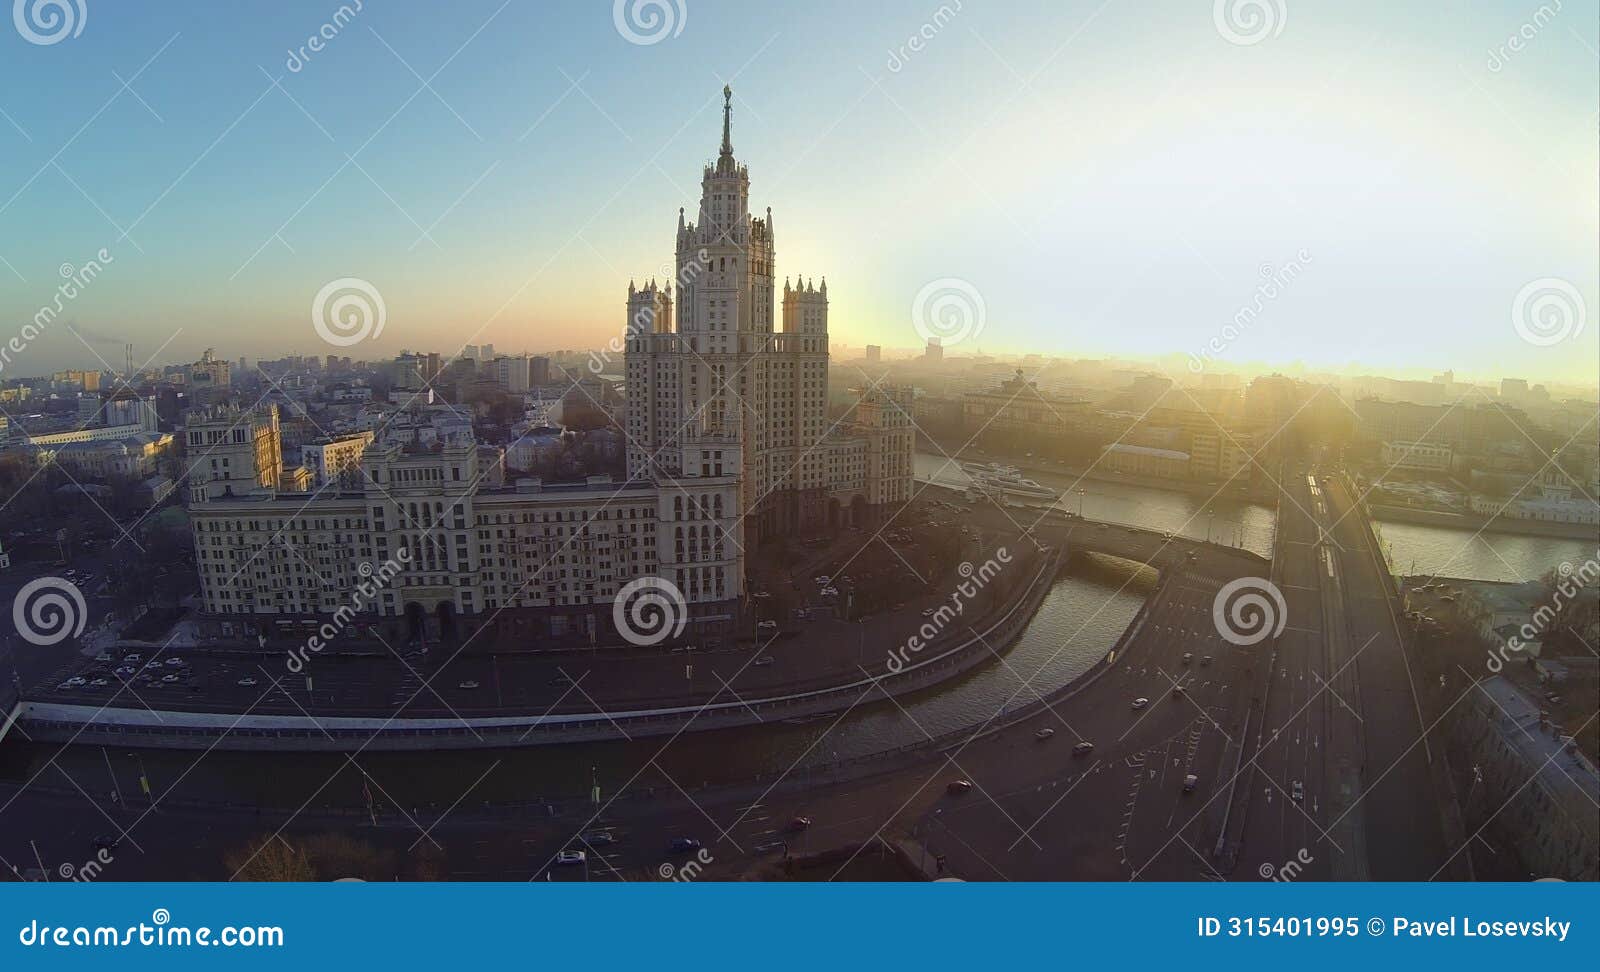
x=1117, y=177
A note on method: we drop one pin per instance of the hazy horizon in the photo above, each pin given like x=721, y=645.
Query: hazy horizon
x=1110, y=180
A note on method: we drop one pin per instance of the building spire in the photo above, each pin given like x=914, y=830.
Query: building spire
x=727, y=118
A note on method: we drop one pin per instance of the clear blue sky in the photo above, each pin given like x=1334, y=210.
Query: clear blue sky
x=1110, y=177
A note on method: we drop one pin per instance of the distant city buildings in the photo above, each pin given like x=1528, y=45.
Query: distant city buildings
x=727, y=417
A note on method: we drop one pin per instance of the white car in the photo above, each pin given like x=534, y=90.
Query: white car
x=1140, y=703
x=767, y=624
x=829, y=591
x=763, y=661
x=169, y=679
x=1298, y=791
x=77, y=680
x=247, y=681
x=569, y=857
x=135, y=656
x=468, y=684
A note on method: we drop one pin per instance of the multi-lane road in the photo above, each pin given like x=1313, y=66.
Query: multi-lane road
x=1306, y=753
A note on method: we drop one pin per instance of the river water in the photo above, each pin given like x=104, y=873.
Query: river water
x=1091, y=603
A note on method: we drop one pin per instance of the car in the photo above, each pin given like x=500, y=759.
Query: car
x=685, y=845
x=928, y=612
x=599, y=838
x=104, y=656
x=1190, y=782
x=1178, y=690
x=65, y=687
x=767, y=625
x=1297, y=791
x=468, y=684
x=829, y=591
x=1188, y=657
x=1083, y=749
x=568, y=857
x=99, y=682
x=174, y=662
x=799, y=823
x=105, y=843
x=1044, y=734
x=169, y=679
x=1140, y=703
x=246, y=682
x=763, y=661
x=1205, y=660
x=759, y=594
x=123, y=671
x=77, y=680
x=132, y=657
x=958, y=786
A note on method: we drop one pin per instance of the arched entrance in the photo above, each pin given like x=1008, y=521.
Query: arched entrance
x=416, y=623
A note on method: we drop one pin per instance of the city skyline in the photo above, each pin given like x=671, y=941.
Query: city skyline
x=1144, y=223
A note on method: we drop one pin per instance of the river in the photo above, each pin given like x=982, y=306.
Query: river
x=1090, y=605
